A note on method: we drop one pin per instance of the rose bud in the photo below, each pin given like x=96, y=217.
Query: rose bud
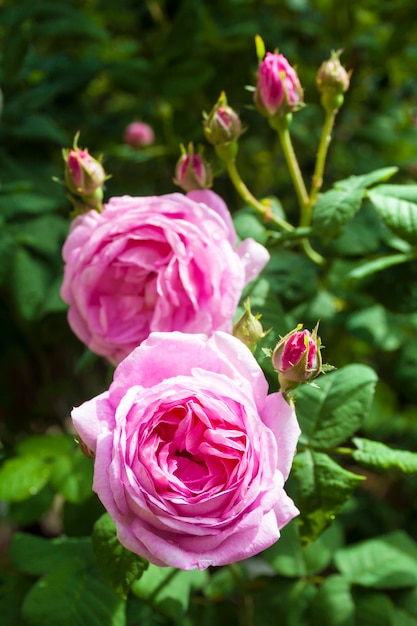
x=333, y=81
x=192, y=171
x=222, y=125
x=83, y=173
x=138, y=135
x=297, y=358
x=248, y=328
x=278, y=90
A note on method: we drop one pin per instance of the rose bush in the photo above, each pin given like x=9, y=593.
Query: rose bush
x=191, y=454
x=158, y=263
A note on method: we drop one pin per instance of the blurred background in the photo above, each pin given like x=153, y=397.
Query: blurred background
x=95, y=66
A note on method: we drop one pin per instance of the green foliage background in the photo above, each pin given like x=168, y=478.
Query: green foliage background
x=94, y=66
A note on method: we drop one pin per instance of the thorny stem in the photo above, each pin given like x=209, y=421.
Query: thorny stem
x=250, y=199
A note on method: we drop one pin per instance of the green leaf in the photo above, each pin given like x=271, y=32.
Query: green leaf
x=405, y=192
x=333, y=604
x=44, y=235
x=406, y=599
x=73, y=594
x=47, y=446
x=331, y=412
x=366, y=180
x=289, y=558
x=379, y=457
x=322, y=487
x=36, y=555
x=367, y=268
x=22, y=477
x=8, y=245
x=334, y=209
x=399, y=215
x=169, y=589
x=12, y=592
x=119, y=566
x=29, y=283
x=29, y=511
x=372, y=608
x=72, y=476
x=283, y=602
x=388, y=561
x=247, y=224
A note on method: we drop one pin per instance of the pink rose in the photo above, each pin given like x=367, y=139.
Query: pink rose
x=158, y=263
x=191, y=454
x=278, y=88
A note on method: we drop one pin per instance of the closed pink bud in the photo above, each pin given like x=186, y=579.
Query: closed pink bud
x=278, y=89
x=83, y=173
x=192, y=171
x=138, y=135
x=222, y=125
x=296, y=358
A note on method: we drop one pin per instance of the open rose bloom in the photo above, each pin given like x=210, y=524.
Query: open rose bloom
x=159, y=263
x=191, y=453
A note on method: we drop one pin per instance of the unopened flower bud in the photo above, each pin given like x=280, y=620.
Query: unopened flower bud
x=222, y=126
x=138, y=135
x=297, y=358
x=248, y=328
x=192, y=171
x=83, y=173
x=333, y=81
x=278, y=90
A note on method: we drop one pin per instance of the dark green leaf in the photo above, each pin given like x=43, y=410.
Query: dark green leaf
x=399, y=215
x=333, y=604
x=334, y=209
x=29, y=282
x=289, y=558
x=73, y=594
x=372, y=608
x=169, y=589
x=283, y=602
x=379, y=457
x=12, y=592
x=331, y=412
x=119, y=566
x=322, y=489
x=37, y=556
x=388, y=561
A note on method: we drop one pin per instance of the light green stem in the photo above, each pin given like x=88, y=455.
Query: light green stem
x=250, y=199
x=326, y=137
x=282, y=126
x=295, y=173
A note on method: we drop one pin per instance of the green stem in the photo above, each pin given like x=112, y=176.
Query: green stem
x=246, y=612
x=282, y=126
x=295, y=172
x=326, y=137
x=247, y=196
